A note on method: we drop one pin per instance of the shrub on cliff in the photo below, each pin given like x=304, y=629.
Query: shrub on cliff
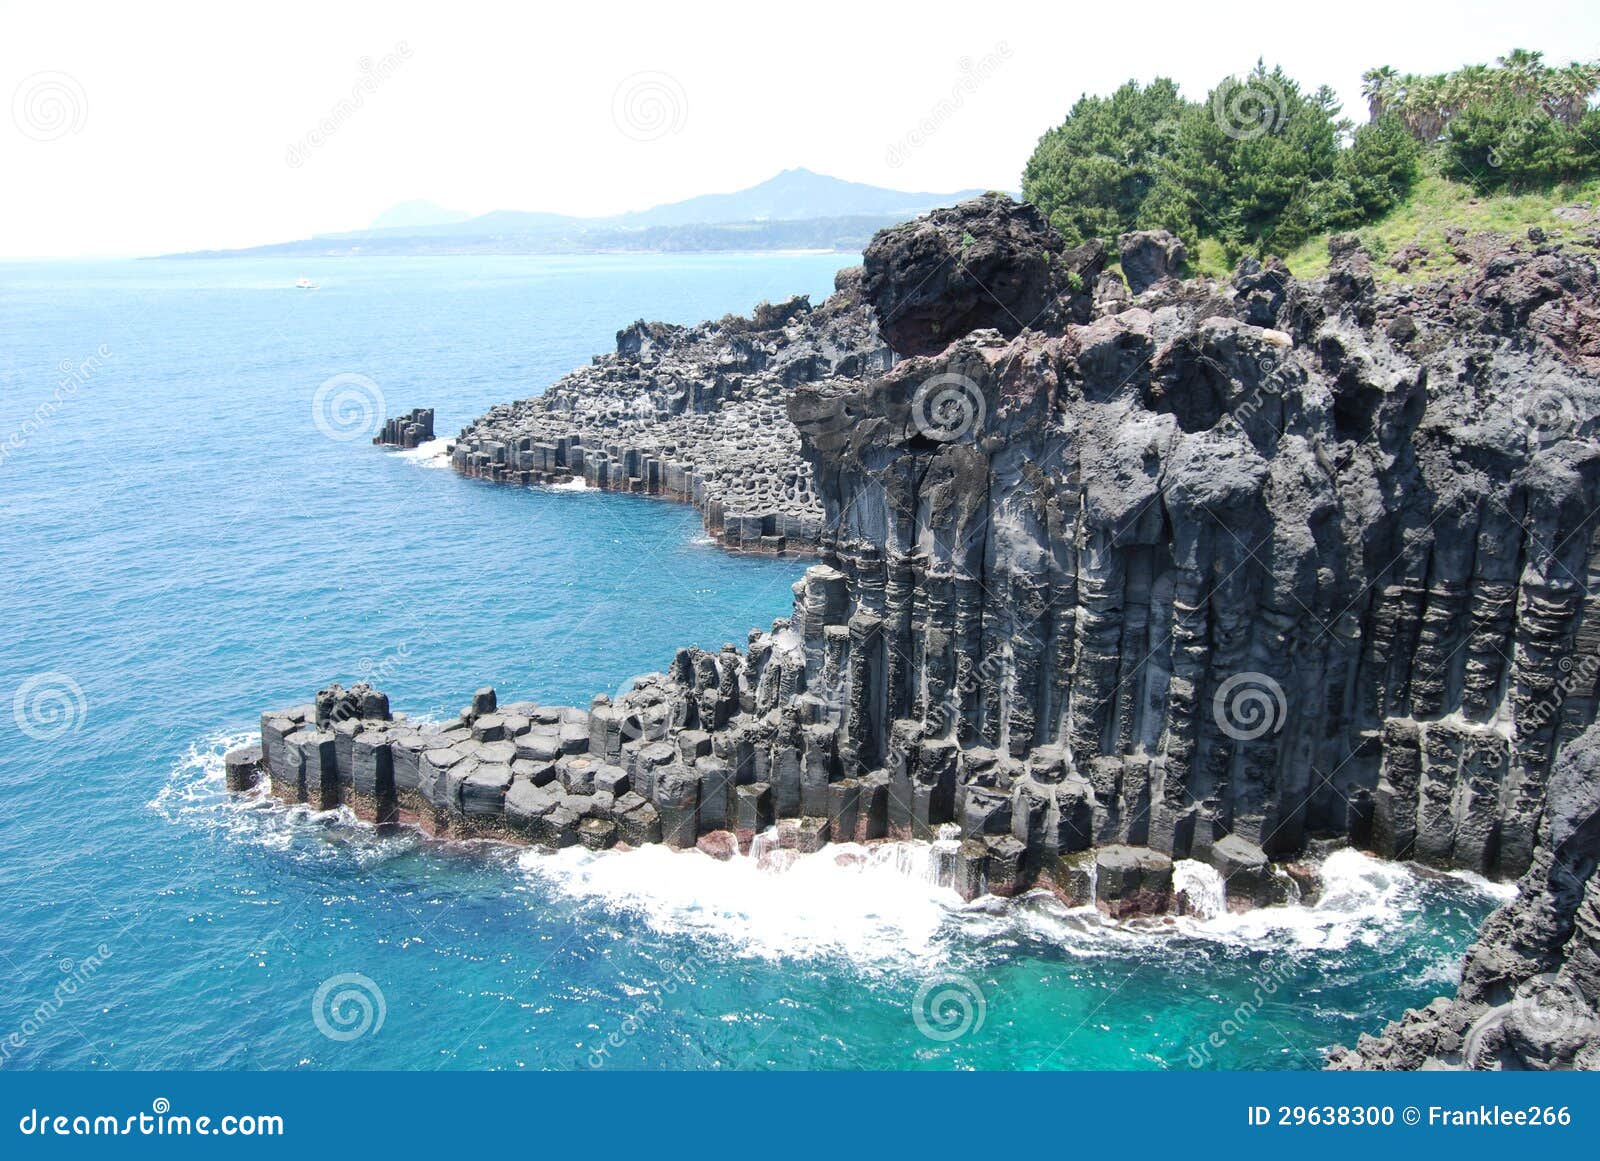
x=1258, y=165
x=1246, y=165
x=1092, y=173
x=1508, y=143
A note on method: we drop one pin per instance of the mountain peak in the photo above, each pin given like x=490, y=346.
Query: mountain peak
x=417, y=212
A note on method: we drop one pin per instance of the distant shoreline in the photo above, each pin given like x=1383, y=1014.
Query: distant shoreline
x=222, y=255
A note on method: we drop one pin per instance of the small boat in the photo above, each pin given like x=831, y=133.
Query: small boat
x=305, y=284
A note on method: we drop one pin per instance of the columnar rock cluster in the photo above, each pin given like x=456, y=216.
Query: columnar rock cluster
x=1530, y=989
x=1263, y=560
x=407, y=431
x=1219, y=570
x=693, y=414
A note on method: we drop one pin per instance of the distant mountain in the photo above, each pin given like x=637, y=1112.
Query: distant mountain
x=796, y=210
x=795, y=195
x=409, y=215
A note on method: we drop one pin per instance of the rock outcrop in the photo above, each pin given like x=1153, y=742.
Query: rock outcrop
x=1530, y=989
x=1269, y=578
x=988, y=262
x=1148, y=256
x=407, y=431
x=694, y=414
x=1214, y=571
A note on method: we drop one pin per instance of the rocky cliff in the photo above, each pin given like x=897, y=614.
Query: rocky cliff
x=1530, y=989
x=693, y=414
x=1213, y=571
x=1260, y=559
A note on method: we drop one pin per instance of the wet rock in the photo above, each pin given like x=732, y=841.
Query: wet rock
x=319, y=768
x=484, y=791
x=597, y=834
x=678, y=801
x=638, y=822
x=1530, y=989
x=753, y=812
x=242, y=768
x=1248, y=875
x=407, y=431
x=721, y=845
x=1132, y=881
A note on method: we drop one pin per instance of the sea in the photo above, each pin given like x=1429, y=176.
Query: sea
x=196, y=528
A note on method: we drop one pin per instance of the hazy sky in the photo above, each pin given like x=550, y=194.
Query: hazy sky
x=139, y=128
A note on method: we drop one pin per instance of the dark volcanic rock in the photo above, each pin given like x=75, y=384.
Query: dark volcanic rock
x=1148, y=256
x=1232, y=571
x=694, y=414
x=986, y=263
x=1530, y=989
x=407, y=431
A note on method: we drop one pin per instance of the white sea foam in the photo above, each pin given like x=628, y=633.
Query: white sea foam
x=433, y=454
x=875, y=904
x=195, y=794
x=1362, y=898
x=1201, y=884
x=878, y=905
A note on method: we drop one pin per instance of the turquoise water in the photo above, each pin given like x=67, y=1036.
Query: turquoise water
x=185, y=544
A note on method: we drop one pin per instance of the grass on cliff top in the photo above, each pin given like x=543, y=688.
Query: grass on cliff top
x=1435, y=205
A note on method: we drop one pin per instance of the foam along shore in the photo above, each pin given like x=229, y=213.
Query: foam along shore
x=881, y=902
x=615, y=776
x=435, y=453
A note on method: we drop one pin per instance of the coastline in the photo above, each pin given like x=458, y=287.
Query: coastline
x=959, y=669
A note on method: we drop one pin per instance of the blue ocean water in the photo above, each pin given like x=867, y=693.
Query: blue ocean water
x=187, y=541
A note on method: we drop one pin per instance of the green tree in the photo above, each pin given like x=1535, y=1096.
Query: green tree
x=1248, y=163
x=1378, y=169
x=1380, y=86
x=1091, y=174
x=1510, y=142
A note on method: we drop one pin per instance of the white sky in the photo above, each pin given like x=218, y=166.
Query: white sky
x=179, y=118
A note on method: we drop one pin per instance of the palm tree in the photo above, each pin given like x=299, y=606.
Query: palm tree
x=1567, y=91
x=1379, y=86
x=1423, y=108
x=1468, y=86
x=1525, y=71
